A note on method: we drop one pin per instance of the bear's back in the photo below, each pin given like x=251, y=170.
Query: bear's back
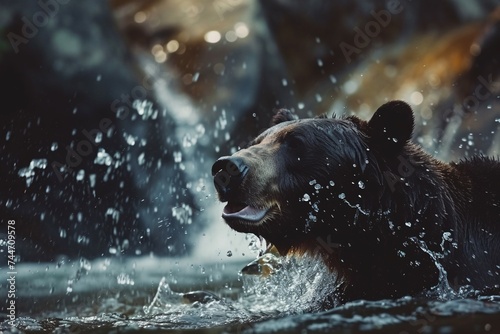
x=480, y=224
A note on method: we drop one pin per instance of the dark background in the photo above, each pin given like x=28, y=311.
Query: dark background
x=67, y=66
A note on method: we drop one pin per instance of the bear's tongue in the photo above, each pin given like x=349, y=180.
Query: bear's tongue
x=243, y=211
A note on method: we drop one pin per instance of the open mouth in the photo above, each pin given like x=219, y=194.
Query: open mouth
x=243, y=211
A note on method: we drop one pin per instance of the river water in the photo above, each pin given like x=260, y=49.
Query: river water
x=206, y=293
x=151, y=294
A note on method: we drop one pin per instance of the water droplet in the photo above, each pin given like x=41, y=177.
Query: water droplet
x=92, y=179
x=38, y=163
x=62, y=233
x=124, y=279
x=103, y=158
x=254, y=243
x=361, y=185
x=29, y=172
x=183, y=213
x=130, y=140
x=80, y=175
x=342, y=196
x=85, y=264
x=306, y=198
x=177, y=157
x=196, y=76
x=141, y=159
x=229, y=253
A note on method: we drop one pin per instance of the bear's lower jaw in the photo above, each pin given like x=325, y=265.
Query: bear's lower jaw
x=243, y=212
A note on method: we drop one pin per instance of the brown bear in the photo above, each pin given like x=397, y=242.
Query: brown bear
x=381, y=213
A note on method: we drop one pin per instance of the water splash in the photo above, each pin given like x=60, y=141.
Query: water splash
x=204, y=309
x=256, y=245
x=145, y=109
x=442, y=290
x=29, y=172
x=124, y=279
x=83, y=270
x=296, y=285
x=103, y=158
x=164, y=298
x=183, y=213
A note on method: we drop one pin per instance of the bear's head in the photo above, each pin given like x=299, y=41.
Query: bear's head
x=309, y=183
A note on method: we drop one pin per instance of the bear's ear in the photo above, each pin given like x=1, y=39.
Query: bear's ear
x=283, y=115
x=391, y=127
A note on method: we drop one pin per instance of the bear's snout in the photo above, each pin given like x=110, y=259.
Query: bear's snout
x=229, y=173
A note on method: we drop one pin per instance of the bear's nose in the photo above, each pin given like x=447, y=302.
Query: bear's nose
x=228, y=173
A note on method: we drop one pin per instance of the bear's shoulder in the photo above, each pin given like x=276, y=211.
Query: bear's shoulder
x=483, y=174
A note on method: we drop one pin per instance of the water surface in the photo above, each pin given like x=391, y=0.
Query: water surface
x=147, y=295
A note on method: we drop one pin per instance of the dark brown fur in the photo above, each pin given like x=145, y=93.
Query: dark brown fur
x=372, y=203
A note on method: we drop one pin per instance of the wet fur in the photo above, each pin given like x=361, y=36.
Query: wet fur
x=378, y=230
